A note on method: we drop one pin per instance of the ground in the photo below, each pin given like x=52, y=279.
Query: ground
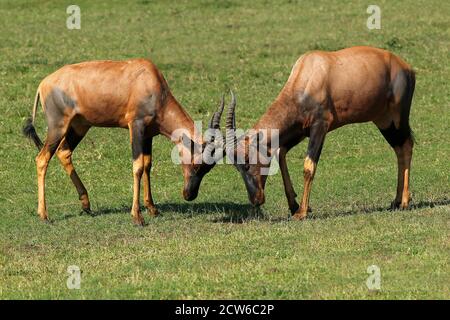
x=216, y=246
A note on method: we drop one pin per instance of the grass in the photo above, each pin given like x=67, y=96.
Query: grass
x=217, y=247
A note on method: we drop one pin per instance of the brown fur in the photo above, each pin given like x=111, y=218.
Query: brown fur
x=327, y=90
x=130, y=94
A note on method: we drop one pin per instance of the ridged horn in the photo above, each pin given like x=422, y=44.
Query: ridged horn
x=231, y=123
x=214, y=124
x=215, y=119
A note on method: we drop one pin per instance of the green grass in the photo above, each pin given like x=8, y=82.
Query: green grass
x=216, y=247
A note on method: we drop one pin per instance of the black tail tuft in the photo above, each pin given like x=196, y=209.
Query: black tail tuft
x=30, y=132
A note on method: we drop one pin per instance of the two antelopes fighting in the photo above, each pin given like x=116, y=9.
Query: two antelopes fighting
x=324, y=91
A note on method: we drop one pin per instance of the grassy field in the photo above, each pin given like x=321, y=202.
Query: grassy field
x=216, y=247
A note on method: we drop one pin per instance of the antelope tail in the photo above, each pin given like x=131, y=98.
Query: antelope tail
x=28, y=129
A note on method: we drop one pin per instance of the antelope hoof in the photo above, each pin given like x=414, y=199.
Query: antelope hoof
x=405, y=203
x=395, y=205
x=152, y=211
x=404, y=206
x=87, y=210
x=138, y=220
x=85, y=204
x=43, y=216
x=299, y=216
x=294, y=208
x=46, y=220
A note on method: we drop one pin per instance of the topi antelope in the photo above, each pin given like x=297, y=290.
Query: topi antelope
x=129, y=94
x=325, y=91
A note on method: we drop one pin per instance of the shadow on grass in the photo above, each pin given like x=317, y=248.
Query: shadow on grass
x=232, y=212
x=374, y=209
x=185, y=209
x=431, y=204
x=240, y=213
x=251, y=213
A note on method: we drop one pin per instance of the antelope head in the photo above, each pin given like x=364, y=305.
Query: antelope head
x=201, y=162
x=246, y=159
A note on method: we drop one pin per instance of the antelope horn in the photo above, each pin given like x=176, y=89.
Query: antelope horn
x=214, y=124
x=231, y=123
x=215, y=119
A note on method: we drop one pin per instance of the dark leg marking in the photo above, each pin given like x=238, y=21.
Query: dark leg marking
x=64, y=153
x=137, y=130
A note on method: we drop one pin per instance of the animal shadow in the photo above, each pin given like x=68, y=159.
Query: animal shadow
x=231, y=212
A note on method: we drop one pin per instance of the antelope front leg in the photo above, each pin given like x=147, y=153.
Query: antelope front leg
x=316, y=139
x=288, y=189
x=137, y=142
x=148, y=199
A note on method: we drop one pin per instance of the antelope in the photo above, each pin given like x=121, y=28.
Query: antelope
x=327, y=90
x=129, y=94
